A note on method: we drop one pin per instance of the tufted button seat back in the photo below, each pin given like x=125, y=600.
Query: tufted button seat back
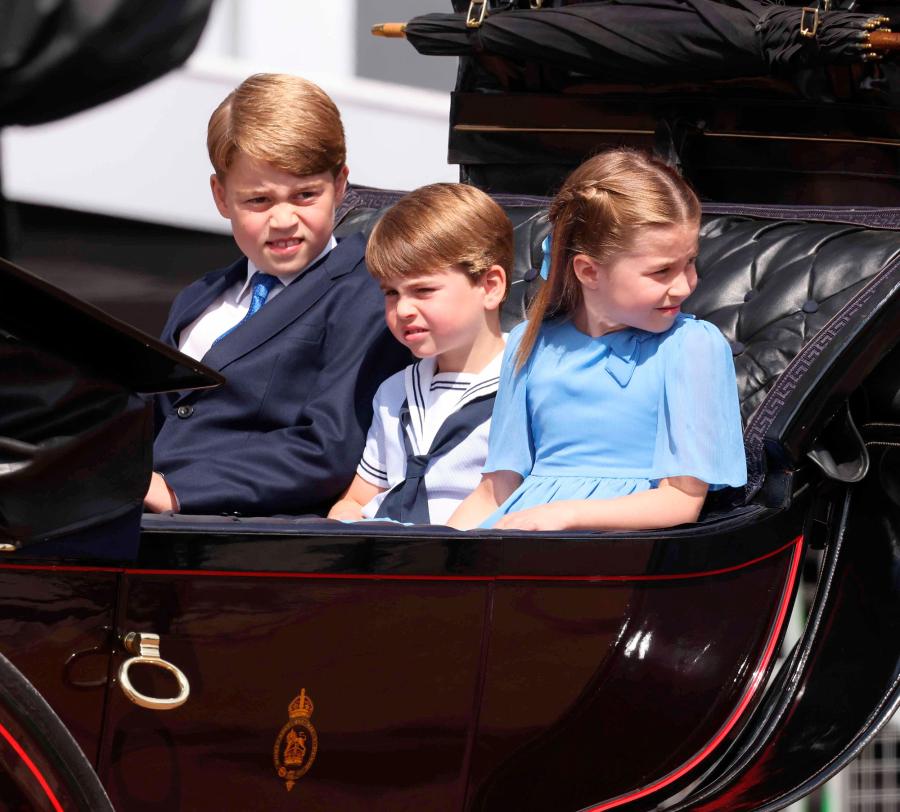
x=768, y=279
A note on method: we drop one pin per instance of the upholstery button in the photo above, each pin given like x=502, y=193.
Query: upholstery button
x=184, y=411
x=737, y=347
x=749, y=295
x=809, y=306
x=530, y=274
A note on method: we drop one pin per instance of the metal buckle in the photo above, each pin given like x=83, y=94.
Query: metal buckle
x=805, y=30
x=473, y=20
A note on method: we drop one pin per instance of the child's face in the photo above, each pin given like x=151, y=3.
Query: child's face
x=280, y=221
x=443, y=314
x=644, y=287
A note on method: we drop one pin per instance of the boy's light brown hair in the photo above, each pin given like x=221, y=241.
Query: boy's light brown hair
x=440, y=226
x=284, y=120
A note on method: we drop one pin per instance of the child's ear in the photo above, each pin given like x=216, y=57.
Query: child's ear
x=218, y=193
x=340, y=185
x=587, y=270
x=493, y=281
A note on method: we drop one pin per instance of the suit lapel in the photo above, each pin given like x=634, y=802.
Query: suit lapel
x=205, y=294
x=289, y=306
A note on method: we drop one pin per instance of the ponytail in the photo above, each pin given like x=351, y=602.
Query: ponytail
x=561, y=293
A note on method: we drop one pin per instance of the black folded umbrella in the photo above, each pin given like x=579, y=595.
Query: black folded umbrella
x=658, y=40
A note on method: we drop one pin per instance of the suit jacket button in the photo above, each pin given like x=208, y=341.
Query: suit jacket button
x=184, y=411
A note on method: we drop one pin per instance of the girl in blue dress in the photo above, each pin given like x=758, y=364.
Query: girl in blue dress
x=616, y=411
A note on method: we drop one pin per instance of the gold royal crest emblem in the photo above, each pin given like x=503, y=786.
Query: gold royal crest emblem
x=297, y=742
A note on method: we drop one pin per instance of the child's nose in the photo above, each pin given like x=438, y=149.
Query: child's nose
x=404, y=307
x=682, y=285
x=282, y=217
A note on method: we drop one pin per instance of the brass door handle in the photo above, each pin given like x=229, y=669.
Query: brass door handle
x=146, y=648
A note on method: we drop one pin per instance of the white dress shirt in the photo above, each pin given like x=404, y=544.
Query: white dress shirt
x=230, y=308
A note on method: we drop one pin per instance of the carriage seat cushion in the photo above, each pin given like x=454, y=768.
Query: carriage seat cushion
x=768, y=284
x=770, y=278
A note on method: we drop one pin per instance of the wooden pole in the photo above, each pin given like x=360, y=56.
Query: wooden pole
x=389, y=30
x=884, y=41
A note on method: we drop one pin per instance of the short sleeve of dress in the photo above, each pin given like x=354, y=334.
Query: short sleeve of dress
x=373, y=465
x=510, y=446
x=699, y=432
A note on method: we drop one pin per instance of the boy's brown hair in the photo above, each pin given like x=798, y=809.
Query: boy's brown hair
x=284, y=120
x=440, y=226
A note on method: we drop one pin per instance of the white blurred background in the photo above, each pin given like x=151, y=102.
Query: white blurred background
x=143, y=156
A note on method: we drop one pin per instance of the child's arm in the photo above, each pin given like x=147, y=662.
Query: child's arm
x=316, y=411
x=349, y=506
x=677, y=500
x=493, y=490
x=160, y=497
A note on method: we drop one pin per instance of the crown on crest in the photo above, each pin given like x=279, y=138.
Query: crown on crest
x=301, y=707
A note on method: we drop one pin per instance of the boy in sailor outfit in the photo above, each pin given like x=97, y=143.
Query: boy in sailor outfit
x=440, y=256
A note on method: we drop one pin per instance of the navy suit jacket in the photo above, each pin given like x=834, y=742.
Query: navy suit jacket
x=286, y=431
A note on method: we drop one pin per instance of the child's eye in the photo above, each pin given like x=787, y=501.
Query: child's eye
x=255, y=201
x=389, y=293
x=425, y=291
x=307, y=195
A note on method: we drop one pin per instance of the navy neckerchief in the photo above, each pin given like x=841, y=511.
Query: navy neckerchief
x=408, y=500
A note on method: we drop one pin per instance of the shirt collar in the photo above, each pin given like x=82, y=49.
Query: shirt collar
x=285, y=278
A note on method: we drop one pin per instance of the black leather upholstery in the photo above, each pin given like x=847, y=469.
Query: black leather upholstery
x=771, y=278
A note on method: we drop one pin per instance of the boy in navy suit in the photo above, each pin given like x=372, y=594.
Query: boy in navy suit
x=295, y=325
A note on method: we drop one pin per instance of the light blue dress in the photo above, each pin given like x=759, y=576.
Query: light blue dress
x=597, y=418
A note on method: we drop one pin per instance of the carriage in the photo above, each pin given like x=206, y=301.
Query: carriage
x=239, y=662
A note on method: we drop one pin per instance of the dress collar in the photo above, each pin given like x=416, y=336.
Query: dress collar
x=624, y=348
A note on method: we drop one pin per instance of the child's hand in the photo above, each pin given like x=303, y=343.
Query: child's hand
x=346, y=511
x=555, y=516
x=160, y=497
x=677, y=500
x=359, y=493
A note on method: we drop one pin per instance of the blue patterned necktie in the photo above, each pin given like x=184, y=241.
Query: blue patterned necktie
x=262, y=287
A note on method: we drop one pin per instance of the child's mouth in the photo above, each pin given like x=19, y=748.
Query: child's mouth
x=284, y=246
x=413, y=333
x=669, y=311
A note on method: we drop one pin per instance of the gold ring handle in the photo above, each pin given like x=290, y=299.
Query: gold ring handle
x=146, y=647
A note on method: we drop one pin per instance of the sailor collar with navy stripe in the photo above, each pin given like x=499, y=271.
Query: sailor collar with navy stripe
x=418, y=379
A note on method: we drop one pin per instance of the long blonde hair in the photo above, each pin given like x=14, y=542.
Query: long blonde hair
x=599, y=211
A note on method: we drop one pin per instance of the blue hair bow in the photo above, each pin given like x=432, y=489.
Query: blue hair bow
x=545, y=265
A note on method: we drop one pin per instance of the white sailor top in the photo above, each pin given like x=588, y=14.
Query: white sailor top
x=436, y=422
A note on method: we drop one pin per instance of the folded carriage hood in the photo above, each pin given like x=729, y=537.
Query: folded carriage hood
x=75, y=435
